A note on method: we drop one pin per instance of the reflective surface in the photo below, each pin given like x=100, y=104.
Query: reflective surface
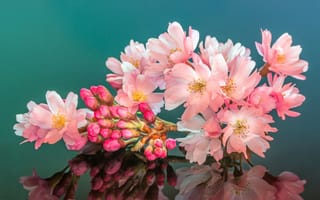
x=62, y=45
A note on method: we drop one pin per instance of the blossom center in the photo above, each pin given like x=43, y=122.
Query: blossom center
x=240, y=127
x=173, y=50
x=229, y=88
x=198, y=85
x=135, y=62
x=281, y=58
x=138, y=96
x=58, y=121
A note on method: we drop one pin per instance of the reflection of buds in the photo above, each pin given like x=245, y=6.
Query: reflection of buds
x=171, y=176
x=96, y=183
x=78, y=167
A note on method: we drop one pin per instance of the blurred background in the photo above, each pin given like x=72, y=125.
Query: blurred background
x=62, y=45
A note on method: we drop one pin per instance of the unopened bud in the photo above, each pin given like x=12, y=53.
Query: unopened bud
x=171, y=143
x=103, y=94
x=105, y=132
x=93, y=129
x=129, y=133
x=91, y=103
x=111, y=145
x=149, y=116
x=106, y=123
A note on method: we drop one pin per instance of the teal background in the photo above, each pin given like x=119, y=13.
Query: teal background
x=62, y=45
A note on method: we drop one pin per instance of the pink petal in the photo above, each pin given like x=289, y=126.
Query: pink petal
x=55, y=102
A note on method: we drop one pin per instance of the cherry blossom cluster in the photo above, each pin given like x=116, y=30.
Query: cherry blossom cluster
x=227, y=108
x=228, y=105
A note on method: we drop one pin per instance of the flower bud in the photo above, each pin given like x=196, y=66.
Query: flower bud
x=111, y=145
x=129, y=133
x=116, y=134
x=171, y=143
x=84, y=93
x=106, y=123
x=91, y=102
x=105, y=132
x=103, y=94
x=149, y=116
x=93, y=129
x=144, y=107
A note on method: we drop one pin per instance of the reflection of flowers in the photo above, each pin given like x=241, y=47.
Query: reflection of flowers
x=39, y=189
x=206, y=183
x=117, y=175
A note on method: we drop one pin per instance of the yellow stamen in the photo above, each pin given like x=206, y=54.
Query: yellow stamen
x=229, y=88
x=240, y=128
x=135, y=63
x=138, y=96
x=281, y=58
x=58, y=121
x=197, y=86
x=174, y=50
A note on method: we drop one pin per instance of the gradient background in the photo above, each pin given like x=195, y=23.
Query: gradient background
x=62, y=45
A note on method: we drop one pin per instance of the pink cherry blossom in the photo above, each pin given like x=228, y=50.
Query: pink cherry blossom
x=234, y=82
x=139, y=89
x=261, y=98
x=187, y=84
x=48, y=123
x=249, y=186
x=246, y=128
x=282, y=58
x=211, y=47
x=134, y=60
x=197, y=143
x=287, y=96
x=289, y=186
x=173, y=46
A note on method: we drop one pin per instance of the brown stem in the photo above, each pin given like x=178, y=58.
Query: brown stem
x=264, y=70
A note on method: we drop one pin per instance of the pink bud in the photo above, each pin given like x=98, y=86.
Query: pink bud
x=98, y=115
x=106, y=123
x=124, y=113
x=84, y=93
x=171, y=143
x=126, y=125
x=114, y=111
x=149, y=116
x=103, y=94
x=93, y=129
x=104, y=110
x=160, y=152
x=111, y=145
x=91, y=102
x=158, y=143
x=116, y=134
x=105, y=132
x=129, y=133
x=143, y=107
